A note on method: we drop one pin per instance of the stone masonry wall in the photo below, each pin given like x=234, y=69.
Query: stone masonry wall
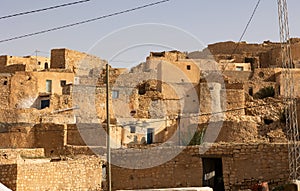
x=80, y=175
x=47, y=136
x=243, y=166
x=8, y=175
x=78, y=62
x=5, y=91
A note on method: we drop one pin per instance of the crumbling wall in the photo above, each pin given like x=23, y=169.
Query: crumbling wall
x=238, y=76
x=74, y=61
x=273, y=58
x=169, y=55
x=24, y=91
x=16, y=136
x=51, y=137
x=237, y=132
x=214, y=100
x=5, y=85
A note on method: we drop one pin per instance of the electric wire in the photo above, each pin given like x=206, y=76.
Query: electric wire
x=84, y=22
x=42, y=9
x=244, y=32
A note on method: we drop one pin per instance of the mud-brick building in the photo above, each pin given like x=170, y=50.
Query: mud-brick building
x=33, y=82
x=10, y=64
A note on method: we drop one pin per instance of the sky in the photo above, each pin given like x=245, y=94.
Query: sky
x=125, y=40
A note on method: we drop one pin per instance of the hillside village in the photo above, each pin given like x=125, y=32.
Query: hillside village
x=206, y=118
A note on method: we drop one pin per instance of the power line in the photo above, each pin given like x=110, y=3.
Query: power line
x=43, y=9
x=84, y=22
x=244, y=31
x=246, y=28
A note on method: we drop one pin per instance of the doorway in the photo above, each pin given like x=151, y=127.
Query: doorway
x=213, y=173
x=150, y=135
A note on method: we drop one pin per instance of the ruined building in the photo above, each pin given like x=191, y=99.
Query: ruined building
x=211, y=118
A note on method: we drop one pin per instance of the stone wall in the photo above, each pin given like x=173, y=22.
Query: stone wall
x=214, y=99
x=47, y=136
x=8, y=164
x=13, y=68
x=243, y=166
x=8, y=175
x=29, y=169
x=24, y=90
x=5, y=81
x=79, y=174
x=280, y=81
x=16, y=136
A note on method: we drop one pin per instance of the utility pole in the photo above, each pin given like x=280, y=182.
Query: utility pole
x=36, y=55
x=108, y=157
x=179, y=117
x=289, y=95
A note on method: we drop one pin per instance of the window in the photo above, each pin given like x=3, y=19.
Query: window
x=45, y=103
x=63, y=83
x=188, y=67
x=132, y=113
x=5, y=83
x=250, y=60
x=239, y=68
x=132, y=129
x=39, y=63
x=76, y=80
x=49, y=86
x=115, y=94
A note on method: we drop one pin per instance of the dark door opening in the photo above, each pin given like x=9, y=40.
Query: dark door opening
x=45, y=103
x=213, y=173
x=150, y=134
x=251, y=91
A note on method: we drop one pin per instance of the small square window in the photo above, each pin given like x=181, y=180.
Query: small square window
x=115, y=94
x=188, y=67
x=239, y=68
x=76, y=80
x=132, y=129
x=63, y=83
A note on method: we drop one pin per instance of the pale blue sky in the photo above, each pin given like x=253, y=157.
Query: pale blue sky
x=208, y=20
